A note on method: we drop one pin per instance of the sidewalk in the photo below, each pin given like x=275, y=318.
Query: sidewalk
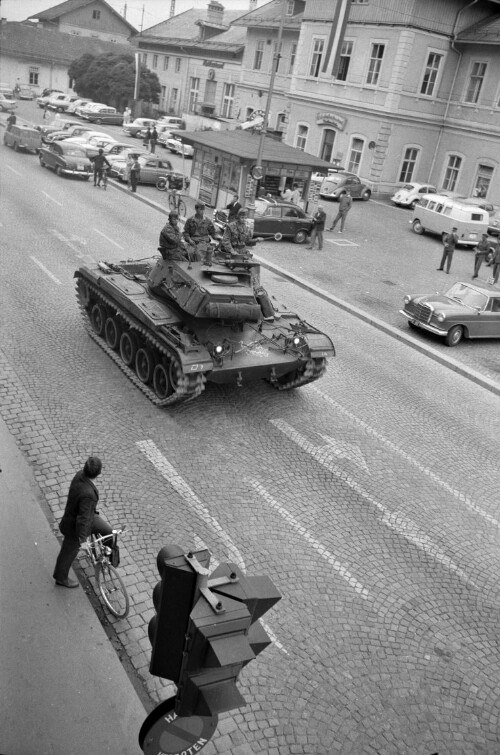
x=63, y=690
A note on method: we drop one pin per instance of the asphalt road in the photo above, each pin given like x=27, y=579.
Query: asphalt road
x=370, y=497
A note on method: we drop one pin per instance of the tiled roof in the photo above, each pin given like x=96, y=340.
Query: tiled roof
x=31, y=41
x=485, y=32
x=185, y=26
x=52, y=14
x=269, y=15
x=246, y=146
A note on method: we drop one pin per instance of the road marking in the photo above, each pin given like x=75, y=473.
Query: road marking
x=411, y=460
x=396, y=521
x=14, y=170
x=344, y=450
x=51, y=198
x=341, y=242
x=81, y=255
x=214, y=563
x=319, y=547
x=47, y=272
x=107, y=238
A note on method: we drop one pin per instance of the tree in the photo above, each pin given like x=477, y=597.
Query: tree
x=110, y=78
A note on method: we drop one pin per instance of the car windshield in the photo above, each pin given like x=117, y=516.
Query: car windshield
x=335, y=179
x=408, y=187
x=464, y=294
x=74, y=152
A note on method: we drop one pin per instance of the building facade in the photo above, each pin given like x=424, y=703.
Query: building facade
x=86, y=18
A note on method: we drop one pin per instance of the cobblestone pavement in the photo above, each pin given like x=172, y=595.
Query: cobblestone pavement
x=370, y=498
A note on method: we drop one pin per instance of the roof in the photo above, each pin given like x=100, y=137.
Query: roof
x=246, y=147
x=485, y=32
x=52, y=14
x=186, y=26
x=31, y=41
x=269, y=16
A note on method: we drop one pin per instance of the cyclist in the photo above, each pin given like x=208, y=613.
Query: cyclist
x=99, y=162
x=198, y=232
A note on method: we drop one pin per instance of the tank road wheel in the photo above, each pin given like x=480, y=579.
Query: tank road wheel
x=454, y=335
x=83, y=293
x=128, y=347
x=113, y=332
x=144, y=364
x=98, y=318
x=175, y=373
x=161, y=381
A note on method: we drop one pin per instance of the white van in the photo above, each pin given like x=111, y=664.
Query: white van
x=437, y=213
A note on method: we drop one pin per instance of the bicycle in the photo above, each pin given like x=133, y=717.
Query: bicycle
x=105, y=176
x=175, y=202
x=110, y=584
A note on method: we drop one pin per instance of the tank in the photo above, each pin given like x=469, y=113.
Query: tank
x=173, y=326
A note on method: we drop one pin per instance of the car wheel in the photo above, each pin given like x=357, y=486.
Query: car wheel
x=417, y=227
x=59, y=171
x=454, y=335
x=98, y=121
x=300, y=237
x=42, y=161
x=366, y=195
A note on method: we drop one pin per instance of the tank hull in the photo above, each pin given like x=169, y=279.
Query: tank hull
x=171, y=353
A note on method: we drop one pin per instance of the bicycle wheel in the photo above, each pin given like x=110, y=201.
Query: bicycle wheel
x=181, y=207
x=112, y=589
x=172, y=201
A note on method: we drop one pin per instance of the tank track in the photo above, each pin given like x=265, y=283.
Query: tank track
x=313, y=370
x=188, y=386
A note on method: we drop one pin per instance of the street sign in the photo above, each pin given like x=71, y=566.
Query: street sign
x=165, y=733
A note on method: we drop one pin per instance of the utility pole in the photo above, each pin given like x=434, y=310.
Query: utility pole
x=125, y=11
x=142, y=18
x=172, y=8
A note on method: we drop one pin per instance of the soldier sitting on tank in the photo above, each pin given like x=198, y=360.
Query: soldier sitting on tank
x=171, y=245
x=198, y=233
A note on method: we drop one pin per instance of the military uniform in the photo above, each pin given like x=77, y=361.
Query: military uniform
x=171, y=244
x=198, y=231
x=237, y=236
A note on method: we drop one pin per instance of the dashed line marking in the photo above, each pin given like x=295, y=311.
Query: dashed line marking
x=45, y=270
x=14, y=170
x=107, y=238
x=319, y=547
x=396, y=521
x=411, y=460
x=51, y=198
x=341, y=242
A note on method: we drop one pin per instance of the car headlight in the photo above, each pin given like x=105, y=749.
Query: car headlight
x=407, y=299
x=440, y=317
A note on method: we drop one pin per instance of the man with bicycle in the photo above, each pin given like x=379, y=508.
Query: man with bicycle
x=99, y=161
x=79, y=520
x=198, y=233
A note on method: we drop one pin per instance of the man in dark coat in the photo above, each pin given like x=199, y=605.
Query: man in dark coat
x=233, y=207
x=79, y=520
x=450, y=241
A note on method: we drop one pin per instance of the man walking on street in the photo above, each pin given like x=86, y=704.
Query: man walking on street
x=134, y=172
x=319, y=218
x=345, y=204
x=80, y=519
x=100, y=164
x=481, y=251
x=450, y=242
x=154, y=139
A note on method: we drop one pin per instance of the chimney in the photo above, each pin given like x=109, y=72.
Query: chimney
x=215, y=14
x=253, y=5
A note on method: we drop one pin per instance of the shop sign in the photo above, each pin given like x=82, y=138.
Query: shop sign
x=331, y=119
x=213, y=64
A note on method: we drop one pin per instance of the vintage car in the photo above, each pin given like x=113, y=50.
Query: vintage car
x=177, y=146
x=46, y=95
x=153, y=167
x=6, y=104
x=65, y=159
x=466, y=310
x=494, y=223
x=81, y=103
x=409, y=194
x=23, y=137
x=171, y=122
x=26, y=93
x=91, y=146
x=57, y=125
x=336, y=184
x=108, y=116
x=133, y=128
x=276, y=219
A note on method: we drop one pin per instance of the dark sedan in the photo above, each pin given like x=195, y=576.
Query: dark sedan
x=466, y=310
x=111, y=118
x=277, y=219
x=66, y=160
x=152, y=168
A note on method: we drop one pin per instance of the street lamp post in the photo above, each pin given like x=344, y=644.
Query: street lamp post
x=257, y=172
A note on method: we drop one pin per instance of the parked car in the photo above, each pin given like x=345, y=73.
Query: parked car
x=466, y=310
x=335, y=185
x=177, y=146
x=277, y=219
x=438, y=213
x=6, y=104
x=58, y=124
x=91, y=146
x=66, y=160
x=89, y=108
x=152, y=168
x=119, y=162
x=171, y=122
x=115, y=149
x=69, y=133
x=26, y=93
x=494, y=223
x=132, y=129
x=6, y=90
x=319, y=176
x=23, y=137
x=410, y=194
x=73, y=106
x=46, y=95
x=109, y=116
x=59, y=102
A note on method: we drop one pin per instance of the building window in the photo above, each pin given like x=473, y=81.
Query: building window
x=452, y=172
x=165, y=63
x=355, y=155
x=281, y=122
x=163, y=94
x=483, y=180
x=345, y=59
x=174, y=95
x=475, y=82
x=317, y=57
x=327, y=145
x=259, y=54
x=290, y=7
x=277, y=56
x=145, y=58
x=96, y=14
x=177, y=65
x=293, y=55
x=375, y=64
x=431, y=74
x=359, y=2
x=194, y=90
x=33, y=75
x=408, y=165
x=228, y=101
x=248, y=113
x=155, y=61
x=301, y=140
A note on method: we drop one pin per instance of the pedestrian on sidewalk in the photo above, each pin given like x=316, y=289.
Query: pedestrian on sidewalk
x=481, y=251
x=147, y=139
x=11, y=120
x=450, y=241
x=80, y=519
x=319, y=218
x=345, y=204
x=134, y=172
x=154, y=139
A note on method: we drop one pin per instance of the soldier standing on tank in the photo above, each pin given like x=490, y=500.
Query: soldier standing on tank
x=198, y=232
